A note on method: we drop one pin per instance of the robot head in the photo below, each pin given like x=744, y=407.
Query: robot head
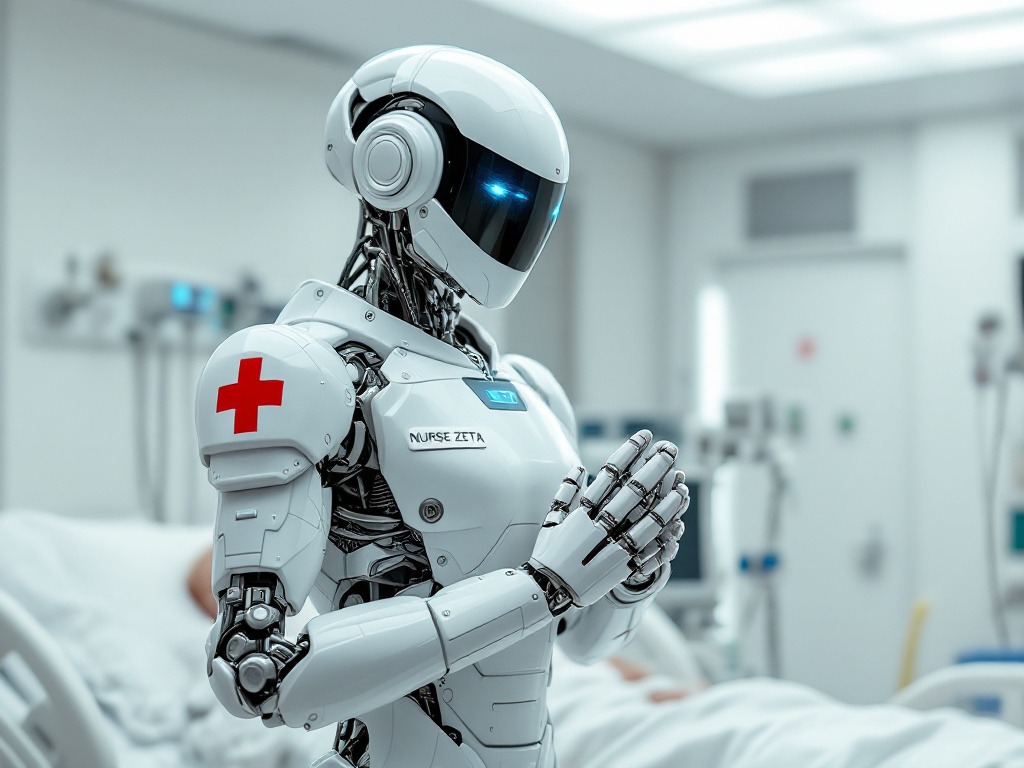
x=470, y=150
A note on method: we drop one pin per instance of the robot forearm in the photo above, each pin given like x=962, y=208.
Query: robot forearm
x=602, y=629
x=247, y=651
x=365, y=656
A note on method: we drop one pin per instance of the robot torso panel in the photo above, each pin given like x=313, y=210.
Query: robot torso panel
x=455, y=481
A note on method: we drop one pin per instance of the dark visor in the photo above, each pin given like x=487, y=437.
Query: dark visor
x=502, y=207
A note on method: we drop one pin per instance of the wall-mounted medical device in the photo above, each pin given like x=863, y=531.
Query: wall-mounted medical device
x=996, y=362
x=97, y=302
x=167, y=320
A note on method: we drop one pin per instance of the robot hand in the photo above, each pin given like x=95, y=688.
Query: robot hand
x=249, y=653
x=621, y=530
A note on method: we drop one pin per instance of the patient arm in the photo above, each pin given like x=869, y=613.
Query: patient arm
x=198, y=582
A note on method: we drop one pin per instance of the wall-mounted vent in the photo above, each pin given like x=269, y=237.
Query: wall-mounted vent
x=798, y=205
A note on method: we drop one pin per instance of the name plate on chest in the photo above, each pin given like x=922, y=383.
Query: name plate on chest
x=446, y=439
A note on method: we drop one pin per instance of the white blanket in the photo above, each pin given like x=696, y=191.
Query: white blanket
x=603, y=722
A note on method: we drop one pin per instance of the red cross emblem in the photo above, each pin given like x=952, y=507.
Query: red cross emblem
x=245, y=396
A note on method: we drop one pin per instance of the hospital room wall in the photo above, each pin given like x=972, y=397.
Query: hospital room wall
x=4, y=47
x=968, y=233
x=179, y=147
x=710, y=247
x=943, y=192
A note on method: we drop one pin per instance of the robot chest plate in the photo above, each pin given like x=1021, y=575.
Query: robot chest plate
x=473, y=464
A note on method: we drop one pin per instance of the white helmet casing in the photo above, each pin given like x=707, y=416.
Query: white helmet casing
x=469, y=148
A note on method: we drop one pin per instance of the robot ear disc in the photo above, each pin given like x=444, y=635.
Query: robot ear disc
x=397, y=161
x=388, y=164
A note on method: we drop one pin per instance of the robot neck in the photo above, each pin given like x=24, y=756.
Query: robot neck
x=384, y=270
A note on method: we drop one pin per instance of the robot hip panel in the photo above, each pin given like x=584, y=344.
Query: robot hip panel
x=402, y=736
x=501, y=702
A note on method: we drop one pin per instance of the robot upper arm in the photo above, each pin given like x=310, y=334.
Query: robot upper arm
x=271, y=404
x=544, y=383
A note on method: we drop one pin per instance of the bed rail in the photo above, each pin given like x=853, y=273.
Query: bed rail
x=48, y=718
x=1000, y=685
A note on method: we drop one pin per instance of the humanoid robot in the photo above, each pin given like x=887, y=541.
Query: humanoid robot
x=375, y=453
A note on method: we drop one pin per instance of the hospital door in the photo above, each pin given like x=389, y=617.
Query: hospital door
x=828, y=338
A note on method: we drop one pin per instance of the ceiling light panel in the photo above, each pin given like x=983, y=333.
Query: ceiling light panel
x=978, y=45
x=589, y=15
x=907, y=12
x=678, y=42
x=836, y=67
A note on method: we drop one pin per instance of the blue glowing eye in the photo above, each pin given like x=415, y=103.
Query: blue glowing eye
x=521, y=196
x=498, y=190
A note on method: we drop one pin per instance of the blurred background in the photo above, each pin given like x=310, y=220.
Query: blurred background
x=791, y=241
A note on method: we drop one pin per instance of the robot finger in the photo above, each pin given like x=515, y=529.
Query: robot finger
x=640, y=535
x=651, y=559
x=567, y=496
x=664, y=553
x=669, y=538
x=671, y=549
x=638, y=492
x=683, y=493
x=669, y=508
x=649, y=477
x=672, y=480
x=619, y=465
x=651, y=530
x=673, y=531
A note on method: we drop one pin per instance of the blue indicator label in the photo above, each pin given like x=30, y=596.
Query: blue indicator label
x=497, y=395
x=502, y=396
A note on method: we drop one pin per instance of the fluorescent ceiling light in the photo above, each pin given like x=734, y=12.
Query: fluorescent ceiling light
x=579, y=15
x=725, y=33
x=975, y=46
x=802, y=73
x=900, y=12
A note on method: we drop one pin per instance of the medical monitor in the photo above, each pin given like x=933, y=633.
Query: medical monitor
x=692, y=582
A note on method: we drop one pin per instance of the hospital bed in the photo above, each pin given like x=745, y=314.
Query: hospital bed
x=112, y=597
x=47, y=715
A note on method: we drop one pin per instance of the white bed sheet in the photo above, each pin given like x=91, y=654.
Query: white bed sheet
x=603, y=722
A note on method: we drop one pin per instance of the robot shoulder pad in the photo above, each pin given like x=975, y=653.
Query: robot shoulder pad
x=274, y=387
x=543, y=382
